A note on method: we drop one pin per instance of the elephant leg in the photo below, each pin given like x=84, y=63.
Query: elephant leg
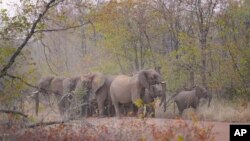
x=110, y=109
x=100, y=104
x=180, y=111
x=117, y=111
x=136, y=99
x=62, y=111
x=180, y=108
x=84, y=110
x=60, y=105
x=150, y=111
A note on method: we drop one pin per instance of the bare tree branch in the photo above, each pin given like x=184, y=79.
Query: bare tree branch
x=46, y=58
x=27, y=38
x=19, y=78
x=46, y=123
x=13, y=112
x=62, y=29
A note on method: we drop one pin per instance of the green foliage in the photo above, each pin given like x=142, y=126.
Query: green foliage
x=5, y=51
x=234, y=33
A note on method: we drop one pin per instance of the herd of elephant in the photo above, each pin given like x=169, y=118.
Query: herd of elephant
x=109, y=95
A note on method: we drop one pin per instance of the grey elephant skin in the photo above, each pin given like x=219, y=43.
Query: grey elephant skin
x=125, y=89
x=56, y=87
x=62, y=88
x=188, y=99
x=78, y=88
x=43, y=88
x=100, y=87
x=158, y=91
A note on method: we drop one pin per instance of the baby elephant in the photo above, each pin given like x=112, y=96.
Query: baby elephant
x=187, y=99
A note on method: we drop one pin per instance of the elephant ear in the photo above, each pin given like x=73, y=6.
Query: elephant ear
x=143, y=80
x=98, y=81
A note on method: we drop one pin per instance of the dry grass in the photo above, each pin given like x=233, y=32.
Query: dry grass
x=219, y=110
x=47, y=111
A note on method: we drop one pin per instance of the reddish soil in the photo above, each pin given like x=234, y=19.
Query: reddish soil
x=220, y=130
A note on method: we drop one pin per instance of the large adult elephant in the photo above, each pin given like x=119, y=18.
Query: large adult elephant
x=62, y=88
x=125, y=89
x=76, y=92
x=43, y=88
x=56, y=87
x=158, y=91
x=100, y=87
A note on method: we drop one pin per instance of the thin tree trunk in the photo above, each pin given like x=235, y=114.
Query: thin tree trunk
x=203, y=44
x=191, y=79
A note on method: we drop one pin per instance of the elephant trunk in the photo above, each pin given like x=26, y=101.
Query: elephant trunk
x=37, y=102
x=163, y=97
x=209, y=100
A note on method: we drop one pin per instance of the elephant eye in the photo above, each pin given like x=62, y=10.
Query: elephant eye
x=155, y=76
x=152, y=77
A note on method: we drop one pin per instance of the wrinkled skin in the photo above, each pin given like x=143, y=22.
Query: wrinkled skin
x=43, y=88
x=187, y=99
x=52, y=85
x=100, y=87
x=75, y=87
x=62, y=88
x=125, y=89
x=56, y=87
x=158, y=91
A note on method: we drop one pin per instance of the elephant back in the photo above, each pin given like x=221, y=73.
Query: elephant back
x=57, y=85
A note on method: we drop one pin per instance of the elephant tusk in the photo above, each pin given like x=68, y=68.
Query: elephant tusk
x=163, y=82
x=36, y=92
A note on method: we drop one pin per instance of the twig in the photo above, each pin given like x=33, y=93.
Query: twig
x=19, y=78
x=62, y=29
x=46, y=57
x=13, y=112
x=46, y=123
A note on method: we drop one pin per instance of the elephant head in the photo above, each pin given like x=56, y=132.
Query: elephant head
x=100, y=85
x=44, y=84
x=148, y=78
x=163, y=96
x=95, y=81
x=200, y=92
x=43, y=88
